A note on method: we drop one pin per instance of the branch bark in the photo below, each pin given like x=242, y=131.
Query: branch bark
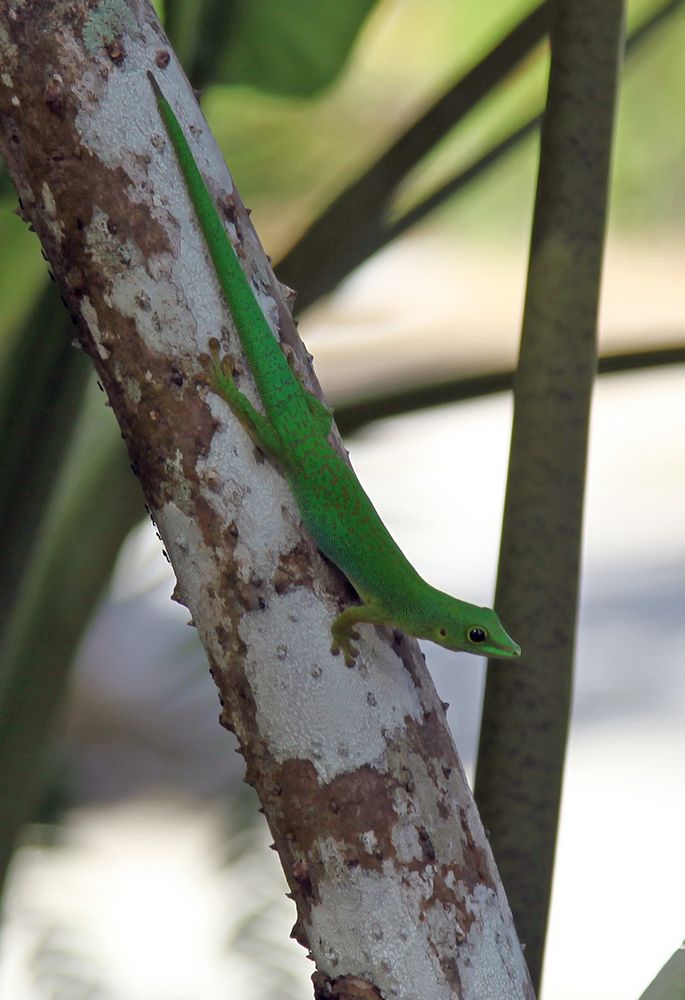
x=395, y=885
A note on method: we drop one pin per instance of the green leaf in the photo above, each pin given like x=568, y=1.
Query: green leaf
x=6, y=188
x=95, y=503
x=292, y=48
x=42, y=383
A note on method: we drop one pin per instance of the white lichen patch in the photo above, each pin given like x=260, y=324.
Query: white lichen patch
x=390, y=928
x=257, y=510
x=9, y=54
x=173, y=296
x=374, y=921
x=174, y=472
x=126, y=117
x=497, y=967
x=342, y=728
x=157, y=305
x=444, y=832
x=50, y=214
x=105, y=21
x=123, y=127
x=115, y=256
x=442, y=919
x=405, y=840
x=133, y=390
x=193, y=563
x=368, y=841
x=90, y=317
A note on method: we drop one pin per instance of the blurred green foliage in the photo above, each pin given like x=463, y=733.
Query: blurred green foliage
x=291, y=157
x=22, y=271
x=649, y=158
x=292, y=49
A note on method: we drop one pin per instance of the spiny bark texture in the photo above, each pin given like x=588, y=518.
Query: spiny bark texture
x=396, y=889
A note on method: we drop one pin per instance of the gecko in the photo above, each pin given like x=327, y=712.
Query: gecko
x=293, y=429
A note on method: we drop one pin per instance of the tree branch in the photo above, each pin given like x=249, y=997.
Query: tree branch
x=353, y=414
x=526, y=712
x=395, y=886
x=669, y=984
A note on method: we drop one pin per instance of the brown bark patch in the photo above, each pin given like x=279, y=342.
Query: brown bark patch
x=344, y=988
x=295, y=568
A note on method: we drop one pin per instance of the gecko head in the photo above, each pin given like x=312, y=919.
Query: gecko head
x=462, y=626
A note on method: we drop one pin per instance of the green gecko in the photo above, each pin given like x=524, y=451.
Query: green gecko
x=293, y=431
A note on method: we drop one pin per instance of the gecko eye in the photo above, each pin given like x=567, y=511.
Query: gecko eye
x=477, y=634
x=443, y=632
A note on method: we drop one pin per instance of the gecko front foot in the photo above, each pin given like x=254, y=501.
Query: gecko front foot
x=342, y=640
x=220, y=368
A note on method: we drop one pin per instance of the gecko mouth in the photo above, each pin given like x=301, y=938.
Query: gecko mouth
x=505, y=653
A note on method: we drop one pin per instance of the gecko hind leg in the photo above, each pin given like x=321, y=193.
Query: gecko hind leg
x=343, y=631
x=261, y=431
x=322, y=415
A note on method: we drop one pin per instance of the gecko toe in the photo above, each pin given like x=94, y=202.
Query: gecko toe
x=351, y=654
x=349, y=651
x=211, y=362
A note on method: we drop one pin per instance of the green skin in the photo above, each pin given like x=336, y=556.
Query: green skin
x=293, y=431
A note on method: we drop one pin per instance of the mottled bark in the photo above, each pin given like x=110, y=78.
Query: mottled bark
x=395, y=886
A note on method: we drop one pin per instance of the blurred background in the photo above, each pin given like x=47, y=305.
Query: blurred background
x=144, y=874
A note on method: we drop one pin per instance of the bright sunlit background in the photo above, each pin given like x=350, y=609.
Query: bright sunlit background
x=157, y=884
